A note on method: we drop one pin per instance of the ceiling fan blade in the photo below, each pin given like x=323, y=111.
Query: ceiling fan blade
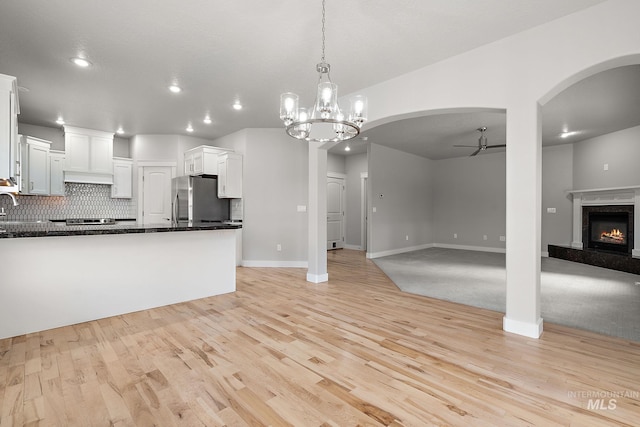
x=496, y=146
x=471, y=146
x=475, y=152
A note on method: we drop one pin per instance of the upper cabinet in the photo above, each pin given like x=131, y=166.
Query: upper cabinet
x=9, y=152
x=35, y=166
x=56, y=173
x=202, y=160
x=89, y=156
x=122, y=177
x=230, y=176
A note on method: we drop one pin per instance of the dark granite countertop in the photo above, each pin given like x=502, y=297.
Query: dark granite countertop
x=13, y=229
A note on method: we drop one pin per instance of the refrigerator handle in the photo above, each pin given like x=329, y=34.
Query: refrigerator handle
x=175, y=210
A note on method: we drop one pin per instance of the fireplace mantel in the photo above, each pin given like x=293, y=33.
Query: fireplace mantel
x=601, y=197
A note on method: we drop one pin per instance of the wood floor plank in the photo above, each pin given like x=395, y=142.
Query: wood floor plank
x=282, y=351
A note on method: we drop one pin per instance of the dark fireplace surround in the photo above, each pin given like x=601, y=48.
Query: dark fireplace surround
x=612, y=256
x=609, y=219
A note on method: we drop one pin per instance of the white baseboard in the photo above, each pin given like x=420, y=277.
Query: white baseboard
x=527, y=329
x=470, y=248
x=285, y=264
x=317, y=278
x=371, y=255
x=354, y=247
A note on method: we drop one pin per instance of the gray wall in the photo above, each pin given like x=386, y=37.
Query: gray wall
x=336, y=163
x=121, y=146
x=355, y=165
x=275, y=183
x=557, y=178
x=620, y=150
x=469, y=199
x=400, y=188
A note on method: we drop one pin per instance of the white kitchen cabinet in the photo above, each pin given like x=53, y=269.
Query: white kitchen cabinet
x=122, y=178
x=88, y=156
x=56, y=173
x=230, y=176
x=9, y=150
x=35, y=165
x=202, y=160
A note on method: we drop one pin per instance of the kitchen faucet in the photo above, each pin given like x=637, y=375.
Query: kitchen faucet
x=15, y=202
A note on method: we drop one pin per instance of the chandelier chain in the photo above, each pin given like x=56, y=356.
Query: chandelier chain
x=323, y=42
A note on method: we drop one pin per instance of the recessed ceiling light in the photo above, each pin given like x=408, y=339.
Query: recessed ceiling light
x=189, y=128
x=60, y=121
x=237, y=105
x=80, y=62
x=207, y=120
x=567, y=134
x=175, y=88
x=120, y=131
x=347, y=148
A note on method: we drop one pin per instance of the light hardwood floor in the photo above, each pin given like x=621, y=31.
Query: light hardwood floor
x=283, y=351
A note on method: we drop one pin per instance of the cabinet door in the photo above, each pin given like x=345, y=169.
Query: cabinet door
x=121, y=187
x=198, y=163
x=101, y=155
x=77, y=152
x=36, y=169
x=56, y=175
x=188, y=164
x=230, y=176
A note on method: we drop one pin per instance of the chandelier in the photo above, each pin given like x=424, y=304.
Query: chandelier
x=325, y=121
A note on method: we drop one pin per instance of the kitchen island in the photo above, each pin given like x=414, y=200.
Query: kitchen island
x=55, y=275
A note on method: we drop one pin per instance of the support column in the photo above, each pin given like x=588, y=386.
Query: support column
x=577, y=222
x=524, y=169
x=317, y=251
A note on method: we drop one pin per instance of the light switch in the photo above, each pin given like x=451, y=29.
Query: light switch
x=374, y=208
x=551, y=210
x=302, y=208
x=606, y=166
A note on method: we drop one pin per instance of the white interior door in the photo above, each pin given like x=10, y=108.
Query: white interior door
x=335, y=212
x=156, y=194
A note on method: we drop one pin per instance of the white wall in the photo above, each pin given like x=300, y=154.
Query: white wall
x=400, y=189
x=336, y=163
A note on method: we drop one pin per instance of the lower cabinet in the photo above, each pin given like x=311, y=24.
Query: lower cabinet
x=122, y=178
x=56, y=175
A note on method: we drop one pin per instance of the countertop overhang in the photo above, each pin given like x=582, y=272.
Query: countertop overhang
x=50, y=229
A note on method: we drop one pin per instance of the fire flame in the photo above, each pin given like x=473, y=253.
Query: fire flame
x=614, y=234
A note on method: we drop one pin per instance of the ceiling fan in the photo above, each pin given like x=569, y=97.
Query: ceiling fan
x=482, y=143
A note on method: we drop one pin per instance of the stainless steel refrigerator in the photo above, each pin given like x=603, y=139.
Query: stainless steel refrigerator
x=195, y=199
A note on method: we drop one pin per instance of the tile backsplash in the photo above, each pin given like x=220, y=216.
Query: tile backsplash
x=80, y=201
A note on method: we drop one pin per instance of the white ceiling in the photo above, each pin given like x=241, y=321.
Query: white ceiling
x=251, y=50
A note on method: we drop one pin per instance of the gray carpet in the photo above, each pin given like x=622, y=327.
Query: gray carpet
x=572, y=294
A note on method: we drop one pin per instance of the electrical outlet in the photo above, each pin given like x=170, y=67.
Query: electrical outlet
x=406, y=237
x=278, y=247
x=374, y=209
x=484, y=237
x=455, y=235
x=503, y=239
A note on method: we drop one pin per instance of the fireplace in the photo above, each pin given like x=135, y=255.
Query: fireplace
x=608, y=228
